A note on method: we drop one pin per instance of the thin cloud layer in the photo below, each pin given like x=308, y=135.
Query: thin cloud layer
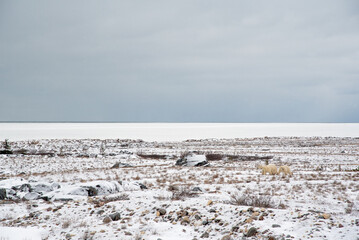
x=191, y=61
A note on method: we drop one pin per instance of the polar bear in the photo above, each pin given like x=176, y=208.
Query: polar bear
x=271, y=169
x=286, y=170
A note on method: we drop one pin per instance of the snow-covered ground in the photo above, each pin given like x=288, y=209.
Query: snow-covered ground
x=132, y=189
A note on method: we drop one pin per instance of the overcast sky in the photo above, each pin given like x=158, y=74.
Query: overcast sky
x=179, y=61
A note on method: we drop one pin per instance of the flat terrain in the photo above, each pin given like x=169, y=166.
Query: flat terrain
x=72, y=189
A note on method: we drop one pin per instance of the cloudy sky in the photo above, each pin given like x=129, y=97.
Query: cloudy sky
x=179, y=61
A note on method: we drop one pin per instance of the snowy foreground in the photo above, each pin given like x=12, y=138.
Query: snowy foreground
x=131, y=189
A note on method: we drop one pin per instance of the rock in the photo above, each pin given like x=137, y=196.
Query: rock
x=115, y=216
x=182, y=213
x=185, y=220
x=128, y=233
x=91, y=191
x=121, y=165
x=340, y=225
x=161, y=212
x=197, y=189
x=173, y=188
x=249, y=220
x=99, y=212
x=197, y=217
x=205, y=222
x=205, y=235
x=255, y=214
x=107, y=219
x=142, y=186
x=271, y=238
x=42, y=188
x=25, y=188
x=192, y=160
x=227, y=237
x=210, y=202
x=325, y=216
x=251, y=232
x=32, y=196
x=275, y=226
x=235, y=228
x=2, y=193
x=212, y=210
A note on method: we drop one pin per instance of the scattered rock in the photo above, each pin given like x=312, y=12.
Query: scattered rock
x=161, y=212
x=227, y=237
x=235, y=228
x=107, y=219
x=142, y=186
x=173, y=188
x=32, y=196
x=255, y=214
x=2, y=193
x=325, y=216
x=121, y=165
x=197, y=189
x=41, y=188
x=249, y=220
x=92, y=191
x=25, y=188
x=205, y=235
x=115, y=216
x=99, y=212
x=185, y=220
x=192, y=160
x=251, y=232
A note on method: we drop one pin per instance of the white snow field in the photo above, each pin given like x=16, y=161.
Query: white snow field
x=134, y=189
x=172, y=131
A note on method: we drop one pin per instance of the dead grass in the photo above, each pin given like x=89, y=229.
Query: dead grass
x=252, y=200
x=183, y=193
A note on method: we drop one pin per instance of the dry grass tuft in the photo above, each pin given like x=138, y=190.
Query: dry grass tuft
x=252, y=200
x=183, y=193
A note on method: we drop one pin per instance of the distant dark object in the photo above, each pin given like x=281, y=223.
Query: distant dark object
x=142, y=186
x=214, y=157
x=5, y=152
x=6, y=144
x=248, y=158
x=152, y=156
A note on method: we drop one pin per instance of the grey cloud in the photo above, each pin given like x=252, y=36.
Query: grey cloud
x=228, y=61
